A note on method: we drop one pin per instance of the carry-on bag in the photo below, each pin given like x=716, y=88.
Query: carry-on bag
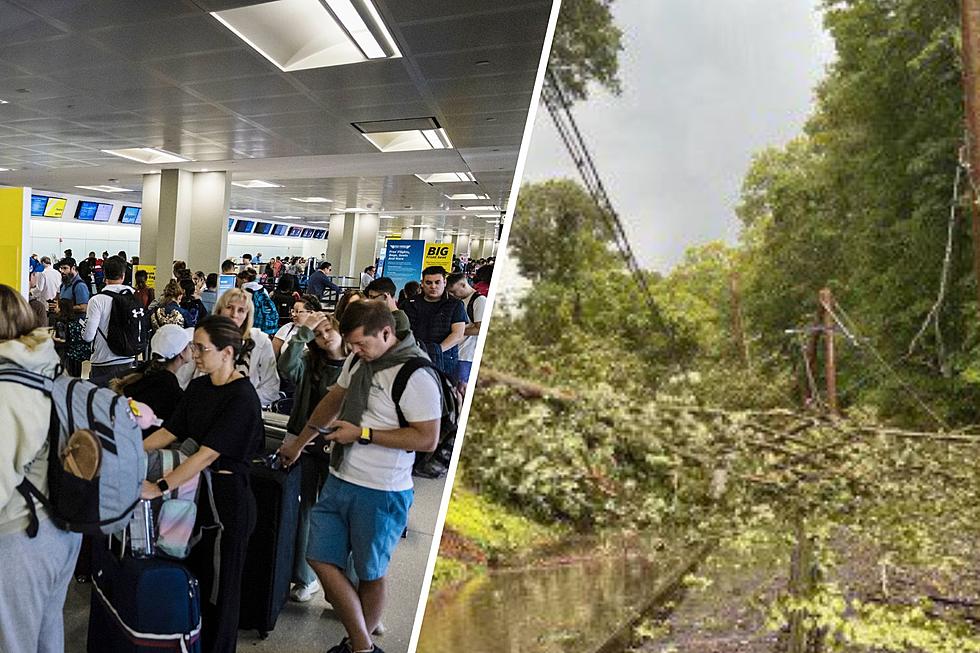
x=141, y=605
x=269, y=559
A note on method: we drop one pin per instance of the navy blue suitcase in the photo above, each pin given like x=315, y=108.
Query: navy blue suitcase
x=145, y=605
x=269, y=559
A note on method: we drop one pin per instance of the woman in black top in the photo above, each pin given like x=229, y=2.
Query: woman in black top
x=221, y=411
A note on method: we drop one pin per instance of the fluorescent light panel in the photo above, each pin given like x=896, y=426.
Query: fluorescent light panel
x=148, y=155
x=410, y=140
x=480, y=208
x=468, y=196
x=255, y=183
x=303, y=34
x=311, y=200
x=286, y=217
x=245, y=211
x=447, y=178
x=107, y=189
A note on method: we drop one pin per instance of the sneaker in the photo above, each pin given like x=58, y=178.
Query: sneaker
x=303, y=593
x=343, y=647
x=379, y=629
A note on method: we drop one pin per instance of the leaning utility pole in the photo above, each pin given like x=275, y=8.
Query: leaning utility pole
x=970, y=24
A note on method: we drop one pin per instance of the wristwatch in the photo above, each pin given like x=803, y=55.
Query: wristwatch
x=163, y=485
x=366, y=436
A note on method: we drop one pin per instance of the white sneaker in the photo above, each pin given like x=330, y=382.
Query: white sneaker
x=303, y=593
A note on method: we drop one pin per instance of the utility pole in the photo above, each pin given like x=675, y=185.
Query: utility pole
x=830, y=364
x=970, y=24
x=738, y=330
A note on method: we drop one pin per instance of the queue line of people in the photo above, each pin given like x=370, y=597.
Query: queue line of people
x=209, y=384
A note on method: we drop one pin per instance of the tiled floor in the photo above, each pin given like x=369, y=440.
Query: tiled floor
x=312, y=626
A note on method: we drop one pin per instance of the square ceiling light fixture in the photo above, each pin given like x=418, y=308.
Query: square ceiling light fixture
x=405, y=135
x=255, y=183
x=108, y=189
x=149, y=155
x=448, y=178
x=311, y=200
x=468, y=196
x=304, y=34
x=480, y=208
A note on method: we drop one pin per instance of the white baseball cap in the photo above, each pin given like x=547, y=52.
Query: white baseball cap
x=170, y=340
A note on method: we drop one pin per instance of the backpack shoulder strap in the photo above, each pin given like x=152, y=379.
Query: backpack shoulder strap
x=401, y=381
x=470, y=311
x=25, y=377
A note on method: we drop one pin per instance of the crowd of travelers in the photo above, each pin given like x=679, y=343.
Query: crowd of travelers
x=199, y=366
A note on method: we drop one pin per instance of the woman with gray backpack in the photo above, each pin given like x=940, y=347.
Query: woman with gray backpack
x=36, y=571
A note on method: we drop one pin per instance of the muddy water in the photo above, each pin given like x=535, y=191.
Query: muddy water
x=554, y=608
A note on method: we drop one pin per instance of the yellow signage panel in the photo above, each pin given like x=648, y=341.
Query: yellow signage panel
x=151, y=274
x=55, y=207
x=439, y=254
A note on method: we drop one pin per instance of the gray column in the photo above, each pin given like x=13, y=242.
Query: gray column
x=359, y=237
x=184, y=218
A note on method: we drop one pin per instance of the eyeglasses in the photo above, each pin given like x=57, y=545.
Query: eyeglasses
x=198, y=348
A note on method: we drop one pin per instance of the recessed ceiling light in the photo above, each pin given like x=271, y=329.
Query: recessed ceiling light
x=387, y=217
x=4, y=102
x=6, y=169
x=255, y=183
x=303, y=34
x=286, y=217
x=311, y=200
x=447, y=177
x=410, y=140
x=480, y=208
x=107, y=189
x=150, y=155
x=483, y=62
x=487, y=215
x=468, y=196
x=245, y=211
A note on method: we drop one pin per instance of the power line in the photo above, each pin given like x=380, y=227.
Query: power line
x=560, y=110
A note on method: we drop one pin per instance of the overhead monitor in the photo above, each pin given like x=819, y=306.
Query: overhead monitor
x=131, y=215
x=55, y=207
x=244, y=226
x=307, y=233
x=38, y=202
x=263, y=228
x=280, y=230
x=295, y=232
x=94, y=211
x=320, y=233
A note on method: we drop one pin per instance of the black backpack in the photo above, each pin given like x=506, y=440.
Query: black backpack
x=129, y=325
x=431, y=464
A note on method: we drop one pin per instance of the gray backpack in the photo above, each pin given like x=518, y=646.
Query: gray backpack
x=96, y=463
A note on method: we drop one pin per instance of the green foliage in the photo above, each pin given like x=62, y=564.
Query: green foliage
x=497, y=531
x=586, y=47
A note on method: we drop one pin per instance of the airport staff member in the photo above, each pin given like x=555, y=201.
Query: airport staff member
x=363, y=508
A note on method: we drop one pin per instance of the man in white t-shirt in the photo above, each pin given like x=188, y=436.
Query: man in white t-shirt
x=106, y=364
x=475, y=304
x=363, y=507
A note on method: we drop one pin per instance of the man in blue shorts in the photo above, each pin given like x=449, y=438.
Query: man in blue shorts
x=363, y=508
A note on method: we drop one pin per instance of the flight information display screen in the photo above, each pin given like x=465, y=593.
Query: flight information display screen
x=131, y=215
x=244, y=226
x=263, y=227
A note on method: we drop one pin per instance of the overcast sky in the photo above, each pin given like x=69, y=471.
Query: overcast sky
x=705, y=85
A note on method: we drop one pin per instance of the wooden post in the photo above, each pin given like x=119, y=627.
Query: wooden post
x=830, y=364
x=738, y=330
x=970, y=25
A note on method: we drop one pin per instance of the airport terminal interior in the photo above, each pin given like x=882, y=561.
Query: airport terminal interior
x=200, y=130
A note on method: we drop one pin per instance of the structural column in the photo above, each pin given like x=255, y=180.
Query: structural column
x=352, y=242
x=185, y=217
x=15, y=226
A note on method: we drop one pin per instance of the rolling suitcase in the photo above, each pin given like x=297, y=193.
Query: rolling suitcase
x=269, y=559
x=141, y=605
